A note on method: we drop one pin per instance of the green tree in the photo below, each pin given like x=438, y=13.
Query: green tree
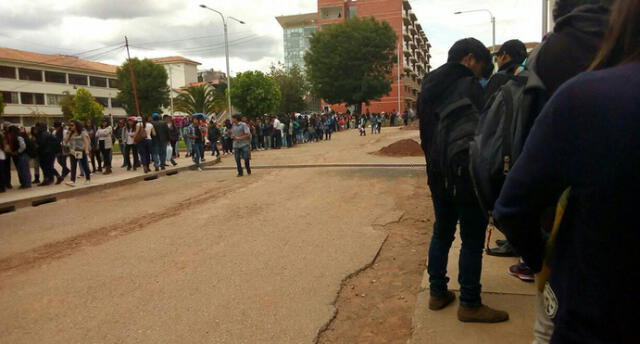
x=351, y=62
x=195, y=99
x=254, y=93
x=220, y=98
x=66, y=105
x=293, y=87
x=86, y=107
x=1, y=104
x=151, y=85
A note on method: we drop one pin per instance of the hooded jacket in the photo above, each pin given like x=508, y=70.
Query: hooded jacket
x=572, y=46
x=447, y=84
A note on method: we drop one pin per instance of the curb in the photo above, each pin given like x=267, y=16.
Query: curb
x=10, y=206
x=348, y=165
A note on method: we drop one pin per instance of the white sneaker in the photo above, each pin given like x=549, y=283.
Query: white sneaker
x=87, y=182
x=71, y=184
x=199, y=169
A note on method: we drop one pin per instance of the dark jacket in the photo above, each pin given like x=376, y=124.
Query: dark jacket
x=585, y=138
x=162, y=132
x=503, y=76
x=47, y=144
x=438, y=87
x=213, y=133
x=571, y=47
x=174, y=133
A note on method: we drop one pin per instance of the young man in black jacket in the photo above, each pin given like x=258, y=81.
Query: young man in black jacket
x=453, y=197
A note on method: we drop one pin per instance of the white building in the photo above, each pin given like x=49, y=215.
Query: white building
x=32, y=84
x=181, y=71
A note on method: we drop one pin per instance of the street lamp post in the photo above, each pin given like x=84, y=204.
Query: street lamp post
x=493, y=22
x=226, y=51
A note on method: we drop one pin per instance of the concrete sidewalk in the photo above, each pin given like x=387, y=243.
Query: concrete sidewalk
x=14, y=198
x=499, y=290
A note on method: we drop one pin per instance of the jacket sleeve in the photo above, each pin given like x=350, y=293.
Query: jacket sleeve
x=537, y=180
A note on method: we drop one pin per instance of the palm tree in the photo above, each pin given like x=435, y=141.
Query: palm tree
x=200, y=98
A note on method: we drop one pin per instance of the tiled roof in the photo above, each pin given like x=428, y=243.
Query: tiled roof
x=55, y=60
x=170, y=59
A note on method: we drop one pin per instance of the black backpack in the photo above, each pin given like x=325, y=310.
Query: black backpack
x=31, y=147
x=456, y=125
x=501, y=134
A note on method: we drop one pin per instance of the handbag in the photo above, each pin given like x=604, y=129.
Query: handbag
x=140, y=135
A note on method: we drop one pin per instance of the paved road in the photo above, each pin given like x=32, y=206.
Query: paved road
x=200, y=257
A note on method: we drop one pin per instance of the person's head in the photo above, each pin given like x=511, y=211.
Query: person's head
x=471, y=53
x=155, y=116
x=236, y=118
x=131, y=122
x=57, y=124
x=564, y=7
x=511, y=51
x=195, y=121
x=104, y=123
x=621, y=44
x=75, y=127
x=245, y=119
x=89, y=123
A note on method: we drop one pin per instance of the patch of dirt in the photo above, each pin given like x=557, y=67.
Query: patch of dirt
x=376, y=305
x=415, y=125
x=402, y=148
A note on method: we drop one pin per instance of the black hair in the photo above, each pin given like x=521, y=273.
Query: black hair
x=564, y=7
x=467, y=46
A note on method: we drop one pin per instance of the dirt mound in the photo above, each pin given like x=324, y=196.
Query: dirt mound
x=402, y=148
x=415, y=125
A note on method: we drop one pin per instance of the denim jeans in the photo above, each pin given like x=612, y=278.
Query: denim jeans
x=128, y=151
x=473, y=226
x=197, y=153
x=84, y=167
x=62, y=161
x=22, y=166
x=159, y=153
x=242, y=153
x=144, y=149
x=267, y=142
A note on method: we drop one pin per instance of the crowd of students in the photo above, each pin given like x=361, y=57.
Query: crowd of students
x=46, y=155
x=568, y=204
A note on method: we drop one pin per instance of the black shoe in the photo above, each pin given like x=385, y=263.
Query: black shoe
x=174, y=163
x=46, y=183
x=59, y=180
x=157, y=169
x=239, y=175
x=22, y=187
x=162, y=168
x=503, y=251
x=128, y=168
x=36, y=181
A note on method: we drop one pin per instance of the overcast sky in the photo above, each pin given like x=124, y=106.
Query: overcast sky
x=95, y=29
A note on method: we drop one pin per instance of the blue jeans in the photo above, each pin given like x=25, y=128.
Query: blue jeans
x=159, y=153
x=144, y=149
x=84, y=167
x=242, y=153
x=473, y=226
x=22, y=166
x=197, y=153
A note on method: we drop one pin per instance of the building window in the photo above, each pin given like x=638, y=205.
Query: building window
x=104, y=101
x=30, y=74
x=77, y=79
x=54, y=99
x=97, y=81
x=115, y=103
x=353, y=11
x=32, y=98
x=60, y=78
x=7, y=72
x=113, y=83
x=10, y=97
x=331, y=12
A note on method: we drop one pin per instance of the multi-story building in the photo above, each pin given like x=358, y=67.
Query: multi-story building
x=181, y=72
x=212, y=76
x=32, y=85
x=412, y=45
x=297, y=29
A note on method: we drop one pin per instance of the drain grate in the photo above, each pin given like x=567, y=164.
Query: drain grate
x=8, y=209
x=154, y=177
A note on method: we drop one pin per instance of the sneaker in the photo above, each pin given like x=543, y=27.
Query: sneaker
x=72, y=184
x=239, y=175
x=522, y=271
x=199, y=169
x=437, y=303
x=481, y=314
x=503, y=251
x=87, y=182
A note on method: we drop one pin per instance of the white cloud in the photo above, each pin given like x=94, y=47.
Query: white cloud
x=176, y=27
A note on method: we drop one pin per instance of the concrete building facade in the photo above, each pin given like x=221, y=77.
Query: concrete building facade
x=32, y=85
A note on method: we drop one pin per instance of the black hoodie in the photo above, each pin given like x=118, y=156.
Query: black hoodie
x=572, y=46
x=447, y=84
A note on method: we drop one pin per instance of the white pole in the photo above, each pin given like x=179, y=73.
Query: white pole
x=226, y=49
x=399, y=104
x=171, y=88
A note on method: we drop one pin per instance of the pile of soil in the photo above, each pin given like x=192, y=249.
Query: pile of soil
x=415, y=125
x=402, y=148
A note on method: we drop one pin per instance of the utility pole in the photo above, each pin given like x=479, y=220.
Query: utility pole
x=133, y=78
x=399, y=57
x=545, y=17
x=171, y=88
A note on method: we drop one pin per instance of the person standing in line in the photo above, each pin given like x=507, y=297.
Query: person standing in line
x=120, y=137
x=194, y=134
x=159, y=142
x=241, y=135
x=187, y=141
x=259, y=133
x=94, y=149
x=130, y=147
x=104, y=136
x=4, y=159
x=48, y=147
x=18, y=148
x=174, y=137
x=79, y=144
x=453, y=198
x=144, y=146
x=328, y=127
x=213, y=134
x=278, y=127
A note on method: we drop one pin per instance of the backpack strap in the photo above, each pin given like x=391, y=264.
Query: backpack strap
x=457, y=104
